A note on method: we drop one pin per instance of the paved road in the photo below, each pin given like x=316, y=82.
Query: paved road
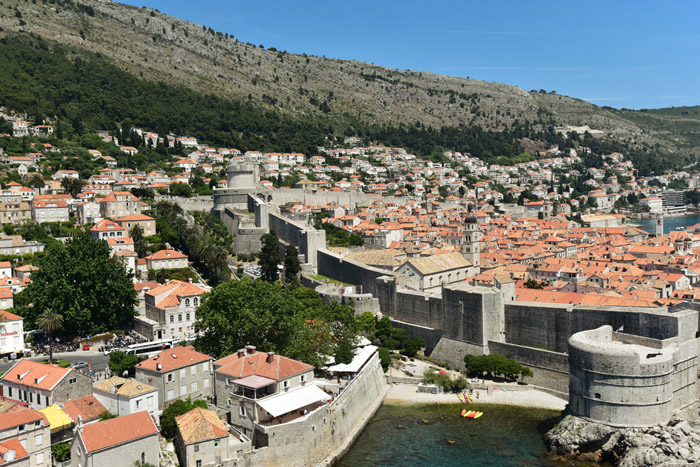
x=97, y=361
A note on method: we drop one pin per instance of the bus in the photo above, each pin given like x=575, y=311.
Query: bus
x=149, y=349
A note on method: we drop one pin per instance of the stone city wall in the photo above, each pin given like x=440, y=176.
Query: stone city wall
x=324, y=432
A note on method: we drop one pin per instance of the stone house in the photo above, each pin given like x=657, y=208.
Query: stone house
x=173, y=306
x=11, y=332
x=204, y=439
x=118, y=204
x=259, y=388
x=50, y=211
x=166, y=259
x=434, y=271
x=88, y=212
x=123, y=396
x=40, y=385
x=126, y=440
x=106, y=229
x=14, y=245
x=177, y=373
x=14, y=213
x=25, y=436
x=147, y=223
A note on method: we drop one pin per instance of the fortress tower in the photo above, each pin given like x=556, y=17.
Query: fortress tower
x=242, y=175
x=471, y=241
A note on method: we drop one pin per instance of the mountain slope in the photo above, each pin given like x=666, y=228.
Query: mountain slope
x=158, y=46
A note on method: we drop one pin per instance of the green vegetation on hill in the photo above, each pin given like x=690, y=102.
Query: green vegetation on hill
x=86, y=91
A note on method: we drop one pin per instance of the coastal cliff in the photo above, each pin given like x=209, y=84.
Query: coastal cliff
x=677, y=442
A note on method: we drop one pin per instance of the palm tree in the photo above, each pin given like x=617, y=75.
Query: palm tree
x=50, y=321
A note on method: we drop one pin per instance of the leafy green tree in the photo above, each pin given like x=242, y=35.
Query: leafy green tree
x=140, y=244
x=269, y=258
x=72, y=186
x=36, y=182
x=50, y=321
x=91, y=288
x=61, y=452
x=384, y=357
x=180, y=189
x=168, y=427
x=292, y=266
x=412, y=346
x=533, y=284
x=107, y=415
x=120, y=362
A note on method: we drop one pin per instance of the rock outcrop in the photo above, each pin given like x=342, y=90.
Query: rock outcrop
x=677, y=442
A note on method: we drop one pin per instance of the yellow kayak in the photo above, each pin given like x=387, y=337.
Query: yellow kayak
x=478, y=414
x=467, y=415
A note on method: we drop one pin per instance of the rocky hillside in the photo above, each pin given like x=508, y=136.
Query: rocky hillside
x=160, y=47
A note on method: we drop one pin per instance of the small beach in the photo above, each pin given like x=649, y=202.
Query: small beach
x=407, y=393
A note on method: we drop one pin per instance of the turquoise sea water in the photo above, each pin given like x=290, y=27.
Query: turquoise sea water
x=503, y=436
x=670, y=223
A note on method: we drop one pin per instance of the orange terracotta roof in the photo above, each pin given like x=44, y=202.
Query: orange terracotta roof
x=172, y=359
x=256, y=364
x=18, y=415
x=88, y=407
x=116, y=431
x=35, y=374
x=200, y=425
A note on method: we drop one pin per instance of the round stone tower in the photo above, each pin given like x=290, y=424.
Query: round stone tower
x=242, y=175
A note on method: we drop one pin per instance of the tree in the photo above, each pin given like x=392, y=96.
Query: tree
x=140, y=245
x=50, y=321
x=72, y=186
x=37, y=182
x=61, y=452
x=292, y=266
x=107, y=415
x=384, y=357
x=120, y=362
x=269, y=258
x=180, y=189
x=533, y=284
x=92, y=289
x=168, y=427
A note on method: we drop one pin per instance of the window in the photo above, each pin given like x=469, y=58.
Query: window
x=21, y=428
x=285, y=384
x=138, y=403
x=183, y=389
x=196, y=301
x=171, y=394
x=302, y=378
x=40, y=458
x=172, y=318
x=170, y=377
x=47, y=401
x=193, y=370
x=196, y=448
x=187, y=316
x=31, y=397
x=199, y=463
x=241, y=410
x=10, y=392
x=72, y=380
x=179, y=317
x=187, y=302
x=38, y=440
x=193, y=386
x=149, y=401
x=206, y=382
x=183, y=373
x=217, y=442
x=205, y=366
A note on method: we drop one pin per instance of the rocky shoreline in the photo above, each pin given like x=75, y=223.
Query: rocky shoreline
x=675, y=443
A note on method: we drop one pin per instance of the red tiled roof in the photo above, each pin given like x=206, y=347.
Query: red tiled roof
x=166, y=254
x=172, y=359
x=15, y=445
x=200, y=425
x=256, y=364
x=116, y=431
x=19, y=415
x=88, y=407
x=35, y=374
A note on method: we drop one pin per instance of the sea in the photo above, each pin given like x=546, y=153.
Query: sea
x=670, y=223
x=435, y=434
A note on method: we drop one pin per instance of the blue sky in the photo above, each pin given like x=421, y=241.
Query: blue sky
x=634, y=54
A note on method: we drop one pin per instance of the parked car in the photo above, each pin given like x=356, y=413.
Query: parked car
x=86, y=346
x=79, y=365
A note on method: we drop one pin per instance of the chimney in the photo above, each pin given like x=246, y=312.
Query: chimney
x=250, y=349
x=270, y=357
x=241, y=353
x=167, y=281
x=189, y=279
